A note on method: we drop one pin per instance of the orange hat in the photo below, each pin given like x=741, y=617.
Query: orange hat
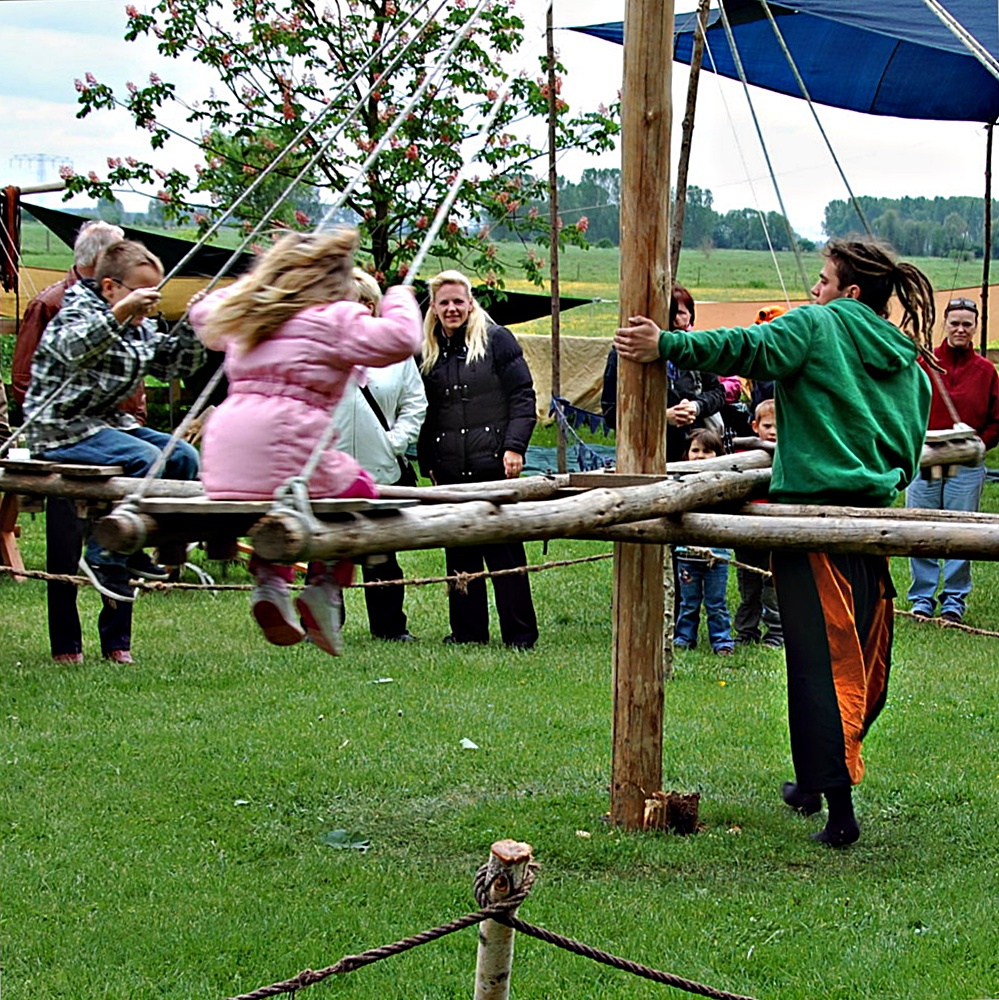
x=769, y=313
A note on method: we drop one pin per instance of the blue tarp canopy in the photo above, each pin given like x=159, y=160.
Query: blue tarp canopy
x=882, y=57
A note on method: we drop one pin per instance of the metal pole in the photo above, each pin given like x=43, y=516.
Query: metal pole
x=987, y=249
x=554, y=260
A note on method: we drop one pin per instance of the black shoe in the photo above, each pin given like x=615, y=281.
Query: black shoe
x=841, y=836
x=453, y=640
x=921, y=614
x=807, y=803
x=401, y=637
x=109, y=579
x=141, y=565
x=772, y=642
x=952, y=616
x=520, y=647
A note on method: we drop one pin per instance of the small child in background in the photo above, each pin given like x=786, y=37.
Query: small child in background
x=757, y=594
x=703, y=581
x=293, y=332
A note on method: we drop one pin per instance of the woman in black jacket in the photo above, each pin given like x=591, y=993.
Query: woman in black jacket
x=481, y=411
x=691, y=397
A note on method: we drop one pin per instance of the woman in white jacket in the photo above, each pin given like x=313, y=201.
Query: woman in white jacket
x=378, y=443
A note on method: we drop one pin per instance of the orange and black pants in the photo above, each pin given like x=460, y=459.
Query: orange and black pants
x=837, y=613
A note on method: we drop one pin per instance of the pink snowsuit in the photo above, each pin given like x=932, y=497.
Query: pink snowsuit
x=283, y=391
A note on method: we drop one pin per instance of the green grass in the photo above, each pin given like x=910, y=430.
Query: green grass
x=163, y=823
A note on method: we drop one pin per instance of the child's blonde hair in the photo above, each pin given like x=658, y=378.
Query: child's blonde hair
x=476, y=329
x=368, y=292
x=300, y=270
x=765, y=408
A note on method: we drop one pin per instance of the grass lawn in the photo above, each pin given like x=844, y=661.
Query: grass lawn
x=163, y=823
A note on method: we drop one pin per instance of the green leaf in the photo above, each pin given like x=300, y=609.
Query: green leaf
x=343, y=840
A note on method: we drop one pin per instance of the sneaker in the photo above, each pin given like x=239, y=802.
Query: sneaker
x=453, y=640
x=723, y=650
x=320, y=606
x=68, y=659
x=119, y=656
x=772, y=642
x=109, y=579
x=140, y=564
x=921, y=613
x=520, y=647
x=954, y=617
x=270, y=605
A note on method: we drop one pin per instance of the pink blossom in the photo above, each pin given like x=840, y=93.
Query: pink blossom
x=583, y=224
x=412, y=153
x=93, y=176
x=532, y=212
x=390, y=8
x=403, y=270
x=91, y=79
x=422, y=222
x=366, y=145
x=492, y=94
x=249, y=170
x=301, y=218
x=162, y=174
x=154, y=78
x=80, y=88
x=369, y=214
x=199, y=218
x=514, y=205
x=164, y=196
x=114, y=161
x=66, y=173
x=380, y=277
x=452, y=228
x=131, y=161
x=131, y=87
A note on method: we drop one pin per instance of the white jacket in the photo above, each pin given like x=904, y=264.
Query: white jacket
x=399, y=391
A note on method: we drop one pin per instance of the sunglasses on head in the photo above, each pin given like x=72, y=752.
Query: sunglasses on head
x=961, y=304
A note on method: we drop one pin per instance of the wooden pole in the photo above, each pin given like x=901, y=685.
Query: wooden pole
x=646, y=119
x=987, y=248
x=505, y=872
x=553, y=234
x=680, y=204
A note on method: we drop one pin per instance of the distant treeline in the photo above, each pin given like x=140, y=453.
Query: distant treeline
x=919, y=227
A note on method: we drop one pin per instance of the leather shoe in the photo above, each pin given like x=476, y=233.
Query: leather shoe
x=401, y=637
x=807, y=803
x=952, y=616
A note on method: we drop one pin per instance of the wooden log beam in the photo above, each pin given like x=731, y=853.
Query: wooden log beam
x=921, y=514
x=286, y=539
x=879, y=535
x=115, y=488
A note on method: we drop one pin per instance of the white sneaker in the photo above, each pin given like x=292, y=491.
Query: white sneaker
x=270, y=605
x=320, y=606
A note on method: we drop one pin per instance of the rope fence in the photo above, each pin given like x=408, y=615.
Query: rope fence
x=501, y=912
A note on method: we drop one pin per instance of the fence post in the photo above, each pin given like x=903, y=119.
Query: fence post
x=505, y=873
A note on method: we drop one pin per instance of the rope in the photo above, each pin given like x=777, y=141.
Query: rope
x=766, y=153
x=745, y=167
x=858, y=208
x=502, y=913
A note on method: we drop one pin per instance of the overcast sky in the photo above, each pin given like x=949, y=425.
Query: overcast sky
x=49, y=43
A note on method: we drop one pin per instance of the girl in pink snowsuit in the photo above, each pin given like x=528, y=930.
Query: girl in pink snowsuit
x=293, y=333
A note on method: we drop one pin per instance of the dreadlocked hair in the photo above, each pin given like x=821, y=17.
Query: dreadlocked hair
x=299, y=271
x=871, y=265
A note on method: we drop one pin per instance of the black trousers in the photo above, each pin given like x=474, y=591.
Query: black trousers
x=469, y=611
x=386, y=619
x=63, y=548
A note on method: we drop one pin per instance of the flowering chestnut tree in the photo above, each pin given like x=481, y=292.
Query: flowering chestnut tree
x=280, y=62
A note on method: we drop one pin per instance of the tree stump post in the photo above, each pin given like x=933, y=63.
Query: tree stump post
x=505, y=873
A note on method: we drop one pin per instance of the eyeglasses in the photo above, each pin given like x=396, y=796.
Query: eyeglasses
x=118, y=281
x=961, y=304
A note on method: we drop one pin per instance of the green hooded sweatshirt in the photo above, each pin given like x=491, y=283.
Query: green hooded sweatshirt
x=852, y=403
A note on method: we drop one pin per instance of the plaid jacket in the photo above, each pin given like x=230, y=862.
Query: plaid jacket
x=91, y=362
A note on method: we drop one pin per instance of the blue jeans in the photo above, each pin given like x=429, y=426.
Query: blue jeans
x=135, y=451
x=961, y=492
x=703, y=583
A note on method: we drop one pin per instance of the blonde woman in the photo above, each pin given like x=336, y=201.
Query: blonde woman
x=293, y=332
x=480, y=415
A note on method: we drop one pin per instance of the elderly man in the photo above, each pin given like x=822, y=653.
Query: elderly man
x=972, y=384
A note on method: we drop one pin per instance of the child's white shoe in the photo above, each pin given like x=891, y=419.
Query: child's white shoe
x=320, y=606
x=270, y=605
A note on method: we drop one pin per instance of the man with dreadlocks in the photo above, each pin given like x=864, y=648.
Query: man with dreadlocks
x=852, y=409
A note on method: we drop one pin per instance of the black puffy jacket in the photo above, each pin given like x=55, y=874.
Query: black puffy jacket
x=476, y=410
